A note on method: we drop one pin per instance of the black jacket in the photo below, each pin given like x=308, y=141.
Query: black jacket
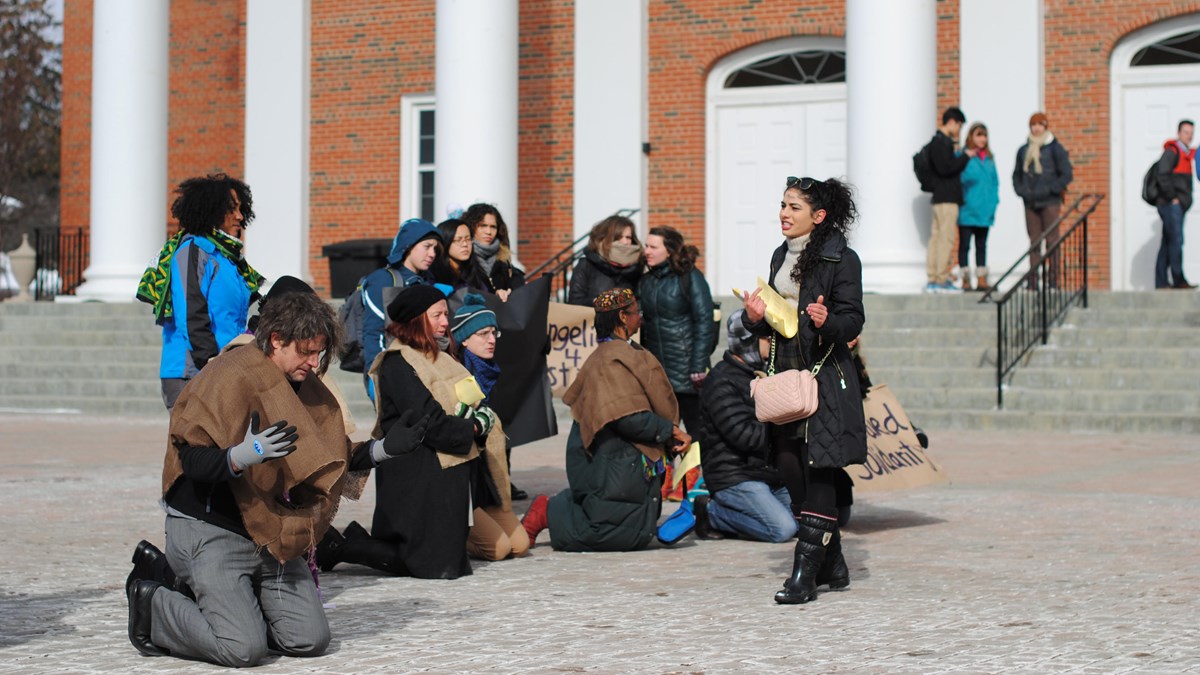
x=735, y=445
x=947, y=166
x=593, y=275
x=676, y=329
x=1174, y=177
x=1040, y=190
x=504, y=276
x=837, y=432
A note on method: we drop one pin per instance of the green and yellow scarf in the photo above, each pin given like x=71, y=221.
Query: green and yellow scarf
x=155, y=286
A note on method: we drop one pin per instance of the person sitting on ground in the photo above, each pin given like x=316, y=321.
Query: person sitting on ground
x=496, y=533
x=494, y=269
x=626, y=419
x=748, y=497
x=256, y=461
x=612, y=259
x=423, y=500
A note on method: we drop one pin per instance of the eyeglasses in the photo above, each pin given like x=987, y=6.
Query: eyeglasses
x=488, y=332
x=805, y=184
x=461, y=240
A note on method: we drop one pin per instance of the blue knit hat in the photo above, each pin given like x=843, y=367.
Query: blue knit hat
x=471, y=318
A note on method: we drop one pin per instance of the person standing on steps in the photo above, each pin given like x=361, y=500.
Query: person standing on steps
x=981, y=196
x=947, y=196
x=1174, y=173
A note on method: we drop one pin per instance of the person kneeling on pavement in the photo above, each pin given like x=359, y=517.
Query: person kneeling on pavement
x=748, y=495
x=256, y=462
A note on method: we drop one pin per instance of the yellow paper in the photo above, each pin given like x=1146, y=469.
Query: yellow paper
x=781, y=315
x=690, y=460
x=468, y=391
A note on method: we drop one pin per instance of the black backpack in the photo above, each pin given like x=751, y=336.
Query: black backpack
x=685, y=283
x=1150, y=189
x=350, y=316
x=923, y=167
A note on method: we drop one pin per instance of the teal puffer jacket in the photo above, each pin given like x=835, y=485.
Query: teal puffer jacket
x=676, y=329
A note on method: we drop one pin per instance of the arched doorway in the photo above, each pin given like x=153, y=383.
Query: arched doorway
x=1155, y=83
x=774, y=109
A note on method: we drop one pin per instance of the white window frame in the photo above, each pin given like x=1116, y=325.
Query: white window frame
x=411, y=107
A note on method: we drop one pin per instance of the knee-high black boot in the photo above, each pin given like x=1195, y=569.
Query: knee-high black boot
x=812, y=537
x=834, y=571
x=357, y=547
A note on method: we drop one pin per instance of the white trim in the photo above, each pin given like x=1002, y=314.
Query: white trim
x=1121, y=76
x=411, y=106
x=717, y=96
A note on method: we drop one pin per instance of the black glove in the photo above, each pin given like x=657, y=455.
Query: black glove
x=277, y=440
x=404, y=437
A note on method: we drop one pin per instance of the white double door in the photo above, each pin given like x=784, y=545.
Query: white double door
x=758, y=144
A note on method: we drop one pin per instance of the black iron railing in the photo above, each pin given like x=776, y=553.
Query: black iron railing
x=1028, y=306
x=561, y=264
x=62, y=256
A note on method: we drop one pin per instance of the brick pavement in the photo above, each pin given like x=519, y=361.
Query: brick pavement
x=1047, y=553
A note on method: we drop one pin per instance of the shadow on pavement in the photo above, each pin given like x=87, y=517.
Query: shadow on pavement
x=868, y=518
x=27, y=618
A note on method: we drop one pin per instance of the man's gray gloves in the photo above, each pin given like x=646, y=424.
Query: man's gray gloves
x=277, y=440
x=404, y=437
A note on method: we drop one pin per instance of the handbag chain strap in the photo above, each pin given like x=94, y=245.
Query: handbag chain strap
x=815, y=369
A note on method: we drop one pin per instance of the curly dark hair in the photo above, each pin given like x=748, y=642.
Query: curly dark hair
x=681, y=257
x=299, y=316
x=476, y=212
x=203, y=203
x=837, y=199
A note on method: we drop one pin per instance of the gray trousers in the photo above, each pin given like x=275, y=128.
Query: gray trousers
x=245, y=600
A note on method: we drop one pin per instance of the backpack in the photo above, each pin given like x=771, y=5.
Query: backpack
x=923, y=167
x=350, y=316
x=1150, y=189
x=685, y=283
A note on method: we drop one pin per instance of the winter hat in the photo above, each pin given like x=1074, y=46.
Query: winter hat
x=412, y=302
x=742, y=343
x=471, y=318
x=284, y=285
x=1039, y=118
x=412, y=232
x=613, y=299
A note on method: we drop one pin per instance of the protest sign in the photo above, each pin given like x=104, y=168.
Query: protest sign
x=895, y=458
x=572, y=340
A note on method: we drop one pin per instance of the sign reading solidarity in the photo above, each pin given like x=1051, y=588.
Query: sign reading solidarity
x=572, y=341
x=895, y=458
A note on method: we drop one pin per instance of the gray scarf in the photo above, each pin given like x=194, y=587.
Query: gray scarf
x=486, y=255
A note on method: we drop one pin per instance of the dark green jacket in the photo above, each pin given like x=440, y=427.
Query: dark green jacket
x=676, y=329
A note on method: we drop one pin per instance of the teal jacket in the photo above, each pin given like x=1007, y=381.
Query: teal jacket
x=981, y=192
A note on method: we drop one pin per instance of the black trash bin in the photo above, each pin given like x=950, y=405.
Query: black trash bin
x=352, y=260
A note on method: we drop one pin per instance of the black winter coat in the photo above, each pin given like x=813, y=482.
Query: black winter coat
x=504, y=276
x=736, y=446
x=676, y=329
x=1173, y=182
x=837, y=432
x=1040, y=190
x=947, y=170
x=593, y=275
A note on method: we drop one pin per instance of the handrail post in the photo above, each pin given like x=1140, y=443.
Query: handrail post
x=1084, y=260
x=1044, y=299
x=999, y=355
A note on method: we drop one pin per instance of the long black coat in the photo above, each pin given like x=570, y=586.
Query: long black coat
x=836, y=433
x=736, y=446
x=676, y=328
x=593, y=275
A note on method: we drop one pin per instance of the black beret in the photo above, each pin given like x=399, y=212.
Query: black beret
x=413, y=301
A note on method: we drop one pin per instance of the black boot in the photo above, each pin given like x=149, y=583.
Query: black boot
x=834, y=571
x=329, y=549
x=150, y=564
x=141, y=595
x=360, y=548
x=704, y=528
x=813, y=536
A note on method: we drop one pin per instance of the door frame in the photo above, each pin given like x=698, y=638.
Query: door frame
x=1122, y=77
x=718, y=97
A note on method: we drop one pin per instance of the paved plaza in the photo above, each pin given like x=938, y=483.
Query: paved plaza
x=1046, y=553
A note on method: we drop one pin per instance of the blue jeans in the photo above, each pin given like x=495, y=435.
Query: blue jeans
x=1170, y=253
x=753, y=510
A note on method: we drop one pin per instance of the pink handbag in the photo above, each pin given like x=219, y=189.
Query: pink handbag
x=788, y=396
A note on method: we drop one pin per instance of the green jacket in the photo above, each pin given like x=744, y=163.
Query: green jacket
x=677, y=329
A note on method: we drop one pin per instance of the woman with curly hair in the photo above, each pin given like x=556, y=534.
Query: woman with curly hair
x=494, y=270
x=202, y=286
x=816, y=269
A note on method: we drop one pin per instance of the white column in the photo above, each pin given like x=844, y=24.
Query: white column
x=891, y=81
x=477, y=87
x=610, y=96
x=129, y=145
x=277, y=136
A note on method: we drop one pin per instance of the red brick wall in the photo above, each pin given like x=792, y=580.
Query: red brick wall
x=76, y=149
x=546, y=142
x=366, y=54
x=947, y=55
x=685, y=41
x=1079, y=39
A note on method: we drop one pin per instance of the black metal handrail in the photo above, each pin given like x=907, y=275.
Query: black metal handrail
x=1041, y=296
x=62, y=256
x=561, y=264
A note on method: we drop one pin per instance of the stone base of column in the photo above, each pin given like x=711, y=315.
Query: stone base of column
x=108, y=284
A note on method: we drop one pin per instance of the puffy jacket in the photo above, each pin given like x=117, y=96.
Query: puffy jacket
x=837, y=432
x=211, y=302
x=947, y=188
x=504, y=276
x=1040, y=190
x=676, y=329
x=981, y=192
x=1174, y=171
x=593, y=275
x=736, y=447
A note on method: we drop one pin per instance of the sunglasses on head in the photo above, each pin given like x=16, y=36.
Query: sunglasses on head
x=804, y=184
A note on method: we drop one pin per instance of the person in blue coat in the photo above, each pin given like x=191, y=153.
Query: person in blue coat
x=201, y=287
x=414, y=249
x=981, y=195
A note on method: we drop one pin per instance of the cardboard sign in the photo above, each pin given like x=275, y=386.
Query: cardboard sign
x=895, y=458
x=572, y=341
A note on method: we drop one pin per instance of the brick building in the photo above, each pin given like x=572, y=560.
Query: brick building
x=348, y=117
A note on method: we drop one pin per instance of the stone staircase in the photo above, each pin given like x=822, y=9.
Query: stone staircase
x=1128, y=363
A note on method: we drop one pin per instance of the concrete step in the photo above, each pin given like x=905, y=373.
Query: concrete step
x=67, y=338
x=1182, y=358
x=1131, y=379
x=1117, y=317
x=89, y=324
x=123, y=407
x=1149, y=337
x=73, y=387
x=950, y=357
x=1112, y=401
x=77, y=309
x=35, y=353
x=1074, y=422
x=934, y=377
x=928, y=337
